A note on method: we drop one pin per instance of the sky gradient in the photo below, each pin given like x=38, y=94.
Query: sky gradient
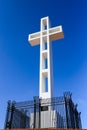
x=19, y=61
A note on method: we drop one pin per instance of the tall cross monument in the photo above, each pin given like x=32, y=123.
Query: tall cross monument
x=44, y=37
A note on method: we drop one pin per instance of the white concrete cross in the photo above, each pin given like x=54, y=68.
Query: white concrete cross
x=44, y=37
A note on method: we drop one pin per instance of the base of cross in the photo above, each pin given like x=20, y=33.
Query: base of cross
x=57, y=112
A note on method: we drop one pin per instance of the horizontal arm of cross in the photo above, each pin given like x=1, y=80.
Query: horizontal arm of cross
x=54, y=34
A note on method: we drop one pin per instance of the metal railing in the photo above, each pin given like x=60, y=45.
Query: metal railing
x=58, y=112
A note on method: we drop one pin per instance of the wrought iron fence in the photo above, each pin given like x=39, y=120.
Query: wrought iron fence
x=58, y=112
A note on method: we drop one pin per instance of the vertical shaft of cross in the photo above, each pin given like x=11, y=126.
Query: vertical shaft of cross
x=46, y=88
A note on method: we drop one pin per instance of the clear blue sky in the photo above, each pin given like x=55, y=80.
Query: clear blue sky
x=19, y=62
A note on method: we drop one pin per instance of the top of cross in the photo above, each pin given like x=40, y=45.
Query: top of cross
x=54, y=34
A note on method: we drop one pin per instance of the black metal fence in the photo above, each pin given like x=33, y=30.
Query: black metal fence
x=59, y=112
